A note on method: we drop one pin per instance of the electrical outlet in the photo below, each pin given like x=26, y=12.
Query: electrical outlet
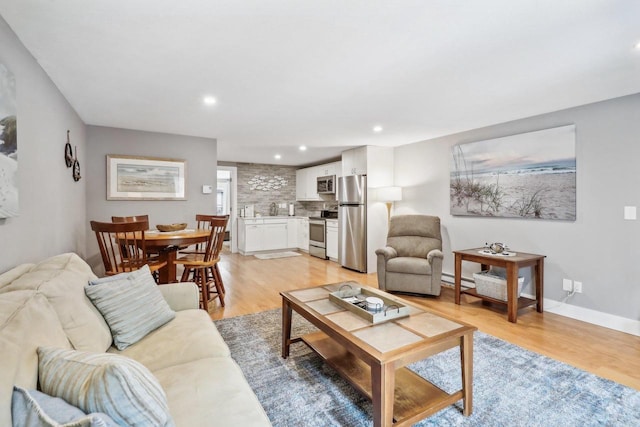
x=577, y=286
x=567, y=285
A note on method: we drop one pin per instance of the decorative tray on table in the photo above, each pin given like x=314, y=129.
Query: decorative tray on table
x=370, y=305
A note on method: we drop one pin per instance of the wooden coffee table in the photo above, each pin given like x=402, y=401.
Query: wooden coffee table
x=373, y=357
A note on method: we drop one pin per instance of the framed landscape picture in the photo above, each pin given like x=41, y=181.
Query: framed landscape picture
x=529, y=175
x=145, y=178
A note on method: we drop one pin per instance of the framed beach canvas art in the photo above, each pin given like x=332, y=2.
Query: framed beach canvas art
x=145, y=178
x=8, y=145
x=529, y=175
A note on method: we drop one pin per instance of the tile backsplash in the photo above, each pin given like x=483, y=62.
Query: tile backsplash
x=261, y=185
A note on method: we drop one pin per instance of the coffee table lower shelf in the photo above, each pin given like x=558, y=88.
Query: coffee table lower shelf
x=415, y=398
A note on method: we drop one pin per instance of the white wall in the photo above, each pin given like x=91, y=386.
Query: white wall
x=52, y=205
x=379, y=174
x=600, y=248
x=199, y=153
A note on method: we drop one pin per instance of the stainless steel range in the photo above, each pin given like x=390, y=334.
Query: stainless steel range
x=318, y=233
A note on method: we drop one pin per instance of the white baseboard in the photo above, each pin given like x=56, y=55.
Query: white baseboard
x=594, y=317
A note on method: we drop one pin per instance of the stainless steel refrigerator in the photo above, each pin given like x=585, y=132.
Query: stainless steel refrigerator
x=352, y=215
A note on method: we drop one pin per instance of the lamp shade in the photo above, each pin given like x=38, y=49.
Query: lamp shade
x=389, y=194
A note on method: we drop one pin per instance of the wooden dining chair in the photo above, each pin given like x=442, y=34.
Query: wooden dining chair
x=134, y=218
x=138, y=218
x=203, y=222
x=123, y=247
x=202, y=267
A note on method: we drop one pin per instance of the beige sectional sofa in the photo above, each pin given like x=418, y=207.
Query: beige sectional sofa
x=44, y=304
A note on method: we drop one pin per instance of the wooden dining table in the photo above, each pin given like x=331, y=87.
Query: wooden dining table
x=168, y=243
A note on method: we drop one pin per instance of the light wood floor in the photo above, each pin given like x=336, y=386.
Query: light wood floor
x=254, y=285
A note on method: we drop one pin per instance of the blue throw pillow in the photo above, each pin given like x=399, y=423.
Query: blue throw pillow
x=31, y=408
x=103, y=382
x=131, y=304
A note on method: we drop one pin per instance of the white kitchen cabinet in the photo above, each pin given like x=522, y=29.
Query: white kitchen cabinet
x=292, y=233
x=303, y=234
x=301, y=184
x=274, y=236
x=312, y=183
x=327, y=170
x=253, y=238
x=332, y=239
x=354, y=161
x=306, y=184
x=266, y=234
x=338, y=169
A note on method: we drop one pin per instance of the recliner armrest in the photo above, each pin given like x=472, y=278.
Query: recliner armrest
x=434, y=253
x=181, y=296
x=388, y=252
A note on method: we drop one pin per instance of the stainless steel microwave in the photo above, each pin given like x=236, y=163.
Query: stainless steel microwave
x=326, y=184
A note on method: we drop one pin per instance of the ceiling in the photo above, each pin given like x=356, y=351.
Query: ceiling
x=323, y=73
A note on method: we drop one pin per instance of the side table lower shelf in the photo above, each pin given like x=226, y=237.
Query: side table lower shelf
x=522, y=301
x=414, y=397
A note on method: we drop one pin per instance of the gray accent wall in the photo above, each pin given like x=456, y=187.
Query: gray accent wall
x=262, y=199
x=199, y=153
x=600, y=248
x=52, y=205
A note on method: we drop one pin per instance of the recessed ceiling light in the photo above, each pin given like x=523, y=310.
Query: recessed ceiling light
x=638, y=45
x=377, y=128
x=277, y=157
x=303, y=148
x=209, y=100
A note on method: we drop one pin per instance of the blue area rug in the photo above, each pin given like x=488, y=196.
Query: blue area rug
x=511, y=386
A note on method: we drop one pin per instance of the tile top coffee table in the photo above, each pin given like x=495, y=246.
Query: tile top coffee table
x=372, y=357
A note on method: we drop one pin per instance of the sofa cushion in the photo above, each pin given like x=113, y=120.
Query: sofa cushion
x=217, y=388
x=27, y=320
x=62, y=279
x=100, y=382
x=190, y=336
x=131, y=304
x=409, y=265
x=31, y=408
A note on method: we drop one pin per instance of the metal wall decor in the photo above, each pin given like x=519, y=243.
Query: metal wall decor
x=263, y=183
x=68, y=152
x=76, y=167
x=70, y=160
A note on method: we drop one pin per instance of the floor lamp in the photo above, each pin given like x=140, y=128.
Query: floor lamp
x=389, y=195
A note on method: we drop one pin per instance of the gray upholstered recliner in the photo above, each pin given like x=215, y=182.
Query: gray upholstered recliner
x=412, y=260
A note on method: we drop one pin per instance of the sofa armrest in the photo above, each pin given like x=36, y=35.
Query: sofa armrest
x=388, y=252
x=181, y=296
x=434, y=253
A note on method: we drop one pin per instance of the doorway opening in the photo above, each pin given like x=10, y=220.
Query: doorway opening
x=226, y=201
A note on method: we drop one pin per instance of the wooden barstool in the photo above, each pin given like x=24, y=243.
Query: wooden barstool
x=204, y=222
x=202, y=266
